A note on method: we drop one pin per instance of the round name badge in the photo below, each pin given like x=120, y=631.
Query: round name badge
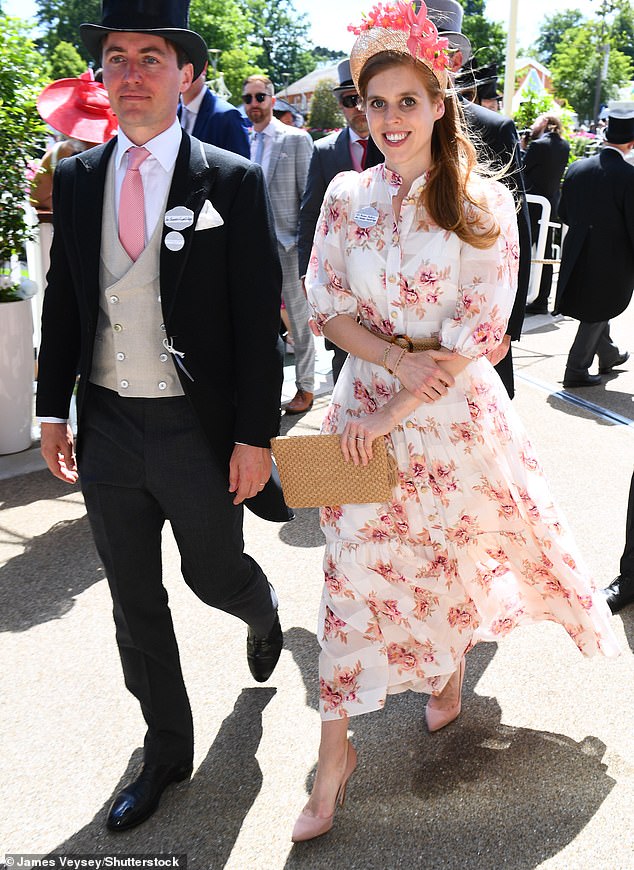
x=366, y=217
x=174, y=241
x=179, y=218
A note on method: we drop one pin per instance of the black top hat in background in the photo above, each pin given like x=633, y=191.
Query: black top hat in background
x=620, y=129
x=482, y=79
x=166, y=18
x=345, y=77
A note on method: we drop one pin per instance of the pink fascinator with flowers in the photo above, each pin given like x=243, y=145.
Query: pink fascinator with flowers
x=398, y=27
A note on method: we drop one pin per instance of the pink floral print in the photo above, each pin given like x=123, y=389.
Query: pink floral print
x=470, y=545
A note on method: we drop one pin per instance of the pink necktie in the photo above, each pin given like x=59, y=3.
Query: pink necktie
x=132, y=205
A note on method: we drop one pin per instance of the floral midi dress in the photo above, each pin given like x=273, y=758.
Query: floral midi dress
x=471, y=544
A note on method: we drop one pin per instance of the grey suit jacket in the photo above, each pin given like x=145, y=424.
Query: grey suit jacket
x=286, y=175
x=330, y=157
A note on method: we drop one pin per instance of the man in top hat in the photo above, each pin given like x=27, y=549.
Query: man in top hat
x=208, y=117
x=284, y=153
x=174, y=331
x=497, y=141
x=596, y=275
x=347, y=149
x=287, y=113
x=479, y=85
x=545, y=162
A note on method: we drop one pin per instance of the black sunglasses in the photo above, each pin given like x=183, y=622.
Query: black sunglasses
x=350, y=101
x=247, y=98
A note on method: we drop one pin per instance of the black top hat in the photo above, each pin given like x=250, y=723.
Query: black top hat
x=166, y=18
x=345, y=77
x=484, y=80
x=620, y=127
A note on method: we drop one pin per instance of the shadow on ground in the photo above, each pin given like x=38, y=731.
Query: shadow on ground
x=478, y=794
x=202, y=818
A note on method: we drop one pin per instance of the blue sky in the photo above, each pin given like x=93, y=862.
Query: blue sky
x=329, y=18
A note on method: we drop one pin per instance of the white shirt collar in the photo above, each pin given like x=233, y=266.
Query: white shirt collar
x=354, y=137
x=163, y=147
x=606, y=145
x=194, y=106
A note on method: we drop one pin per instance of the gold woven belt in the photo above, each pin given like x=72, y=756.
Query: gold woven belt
x=412, y=345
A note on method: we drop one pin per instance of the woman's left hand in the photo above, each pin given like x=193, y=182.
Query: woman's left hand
x=357, y=437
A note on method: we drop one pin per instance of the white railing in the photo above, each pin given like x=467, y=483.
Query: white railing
x=539, y=260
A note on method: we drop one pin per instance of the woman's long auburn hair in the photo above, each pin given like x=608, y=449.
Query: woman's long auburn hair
x=446, y=195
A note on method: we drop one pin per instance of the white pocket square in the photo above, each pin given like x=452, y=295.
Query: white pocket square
x=208, y=218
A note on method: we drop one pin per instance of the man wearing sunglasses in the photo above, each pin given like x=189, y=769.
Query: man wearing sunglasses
x=350, y=148
x=284, y=153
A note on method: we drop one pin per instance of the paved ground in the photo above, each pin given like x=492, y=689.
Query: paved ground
x=538, y=771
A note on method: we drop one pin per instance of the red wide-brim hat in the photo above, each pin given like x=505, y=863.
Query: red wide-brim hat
x=78, y=108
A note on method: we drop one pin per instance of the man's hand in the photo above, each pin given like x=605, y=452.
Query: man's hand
x=249, y=470
x=58, y=451
x=498, y=353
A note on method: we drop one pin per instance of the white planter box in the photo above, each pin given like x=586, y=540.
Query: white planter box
x=16, y=376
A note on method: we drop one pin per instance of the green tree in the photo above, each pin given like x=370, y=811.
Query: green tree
x=551, y=32
x=224, y=26
x=487, y=38
x=623, y=28
x=66, y=62
x=575, y=68
x=325, y=113
x=61, y=19
x=280, y=35
x=21, y=129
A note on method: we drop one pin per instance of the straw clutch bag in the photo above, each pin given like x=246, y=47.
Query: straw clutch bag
x=313, y=472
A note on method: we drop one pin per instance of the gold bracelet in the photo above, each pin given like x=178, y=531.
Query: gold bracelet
x=398, y=361
x=386, y=353
x=392, y=371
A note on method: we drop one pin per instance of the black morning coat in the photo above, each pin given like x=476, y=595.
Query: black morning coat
x=220, y=296
x=596, y=275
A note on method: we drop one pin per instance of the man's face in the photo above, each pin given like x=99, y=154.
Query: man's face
x=260, y=107
x=493, y=105
x=141, y=74
x=355, y=119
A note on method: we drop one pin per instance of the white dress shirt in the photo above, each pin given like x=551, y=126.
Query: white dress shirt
x=356, y=150
x=189, y=112
x=269, y=134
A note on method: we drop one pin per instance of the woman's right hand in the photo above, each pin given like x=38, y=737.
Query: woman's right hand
x=421, y=375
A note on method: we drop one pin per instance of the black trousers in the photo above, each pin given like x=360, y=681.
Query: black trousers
x=592, y=339
x=627, y=559
x=141, y=462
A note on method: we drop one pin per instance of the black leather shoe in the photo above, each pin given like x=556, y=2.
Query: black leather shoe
x=579, y=379
x=533, y=308
x=136, y=803
x=263, y=652
x=619, y=593
x=621, y=358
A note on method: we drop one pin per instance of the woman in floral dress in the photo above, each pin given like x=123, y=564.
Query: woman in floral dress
x=470, y=544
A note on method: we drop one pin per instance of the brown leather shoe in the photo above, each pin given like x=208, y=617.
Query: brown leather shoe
x=301, y=402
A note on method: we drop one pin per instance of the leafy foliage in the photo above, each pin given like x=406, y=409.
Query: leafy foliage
x=551, y=32
x=281, y=37
x=20, y=129
x=575, y=68
x=325, y=113
x=487, y=38
x=61, y=19
x=66, y=62
x=224, y=25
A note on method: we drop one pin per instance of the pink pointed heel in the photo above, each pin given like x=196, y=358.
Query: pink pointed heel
x=308, y=827
x=444, y=708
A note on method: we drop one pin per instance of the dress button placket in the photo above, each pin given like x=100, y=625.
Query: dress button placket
x=393, y=273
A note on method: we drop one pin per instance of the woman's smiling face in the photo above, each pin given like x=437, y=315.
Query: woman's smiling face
x=401, y=117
